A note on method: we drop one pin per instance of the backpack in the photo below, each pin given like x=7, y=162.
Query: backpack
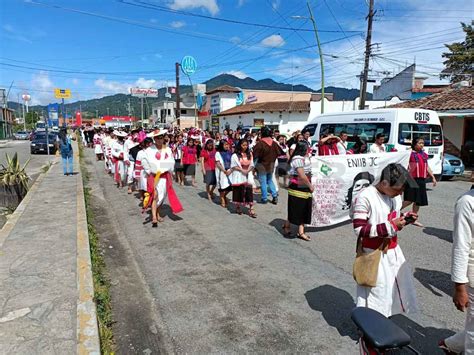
x=65, y=146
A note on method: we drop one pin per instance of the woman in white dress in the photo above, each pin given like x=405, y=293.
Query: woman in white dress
x=223, y=170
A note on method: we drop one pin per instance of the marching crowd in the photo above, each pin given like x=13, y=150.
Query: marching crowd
x=233, y=162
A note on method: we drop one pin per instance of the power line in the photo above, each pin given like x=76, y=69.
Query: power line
x=339, y=25
x=187, y=13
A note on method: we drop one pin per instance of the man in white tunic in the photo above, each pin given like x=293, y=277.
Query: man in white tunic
x=118, y=157
x=158, y=164
x=376, y=219
x=462, y=274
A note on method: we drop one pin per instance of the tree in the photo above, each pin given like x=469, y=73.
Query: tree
x=459, y=63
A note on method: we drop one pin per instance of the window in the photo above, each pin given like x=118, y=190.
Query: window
x=311, y=128
x=365, y=131
x=431, y=133
x=169, y=112
x=184, y=112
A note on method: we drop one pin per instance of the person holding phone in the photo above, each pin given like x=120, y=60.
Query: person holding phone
x=377, y=219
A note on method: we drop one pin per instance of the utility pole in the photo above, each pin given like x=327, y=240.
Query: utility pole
x=141, y=124
x=178, y=105
x=368, y=46
x=320, y=54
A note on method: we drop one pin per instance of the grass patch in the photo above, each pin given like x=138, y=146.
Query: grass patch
x=46, y=167
x=101, y=282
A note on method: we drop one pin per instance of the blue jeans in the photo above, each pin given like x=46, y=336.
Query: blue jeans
x=266, y=182
x=67, y=160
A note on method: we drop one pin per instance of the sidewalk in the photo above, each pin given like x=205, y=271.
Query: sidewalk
x=46, y=288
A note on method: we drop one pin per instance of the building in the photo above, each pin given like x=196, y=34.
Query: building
x=164, y=112
x=117, y=121
x=7, y=119
x=224, y=98
x=455, y=107
x=406, y=85
x=288, y=115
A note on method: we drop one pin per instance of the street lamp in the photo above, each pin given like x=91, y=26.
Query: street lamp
x=319, y=47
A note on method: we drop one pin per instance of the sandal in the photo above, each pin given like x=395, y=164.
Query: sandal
x=160, y=219
x=303, y=236
x=154, y=224
x=252, y=214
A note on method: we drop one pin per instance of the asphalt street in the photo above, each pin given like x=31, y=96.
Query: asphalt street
x=23, y=149
x=211, y=281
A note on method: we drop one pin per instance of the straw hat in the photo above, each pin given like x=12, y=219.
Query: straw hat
x=157, y=132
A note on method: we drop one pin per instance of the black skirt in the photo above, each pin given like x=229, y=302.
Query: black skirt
x=189, y=169
x=242, y=194
x=282, y=167
x=299, y=209
x=210, y=178
x=178, y=167
x=417, y=195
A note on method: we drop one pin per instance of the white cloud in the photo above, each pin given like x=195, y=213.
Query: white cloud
x=276, y=4
x=153, y=20
x=177, y=24
x=116, y=87
x=273, y=41
x=44, y=87
x=235, y=40
x=10, y=32
x=239, y=74
x=240, y=3
x=209, y=5
x=75, y=81
x=158, y=56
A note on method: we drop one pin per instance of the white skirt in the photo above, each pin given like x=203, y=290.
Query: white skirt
x=98, y=149
x=161, y=191
x=395, y=292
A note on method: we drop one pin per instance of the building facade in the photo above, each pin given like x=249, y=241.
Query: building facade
x=7, y=119
x=406, y=85
x=455, y=108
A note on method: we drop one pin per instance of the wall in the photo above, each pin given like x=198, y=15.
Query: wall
x=400, y=85
x=271, y=96
x=453, y=130
x=287, y=121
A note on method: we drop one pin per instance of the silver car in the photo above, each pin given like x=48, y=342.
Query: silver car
x=21, y=135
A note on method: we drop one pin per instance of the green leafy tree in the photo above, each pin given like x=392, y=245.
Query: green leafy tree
x=459, y=63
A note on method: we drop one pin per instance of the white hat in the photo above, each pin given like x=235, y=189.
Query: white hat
x=157, y=132
x=120, y=134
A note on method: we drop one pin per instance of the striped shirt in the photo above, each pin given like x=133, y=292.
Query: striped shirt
x=418, y=166
x=372, y=215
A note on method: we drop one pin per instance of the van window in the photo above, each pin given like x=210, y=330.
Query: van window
x=431, y=133
x=365, y=131
x=311, y=128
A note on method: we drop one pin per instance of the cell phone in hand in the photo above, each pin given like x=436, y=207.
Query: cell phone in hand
x=409, y=219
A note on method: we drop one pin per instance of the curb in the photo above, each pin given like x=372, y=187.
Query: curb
x=13, y=219
x=88, y=341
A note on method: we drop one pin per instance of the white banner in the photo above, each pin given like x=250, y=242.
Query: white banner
x=141, y=92
x=338, y=178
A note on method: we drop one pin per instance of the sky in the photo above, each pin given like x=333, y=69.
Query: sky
x=102, y=47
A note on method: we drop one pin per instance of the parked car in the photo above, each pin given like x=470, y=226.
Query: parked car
x=21, y=135
x=39, y=145
x=452, y=166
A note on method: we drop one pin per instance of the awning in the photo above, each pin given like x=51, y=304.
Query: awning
x=456, y=114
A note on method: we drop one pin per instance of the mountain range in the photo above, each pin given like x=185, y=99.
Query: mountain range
x=118, y=104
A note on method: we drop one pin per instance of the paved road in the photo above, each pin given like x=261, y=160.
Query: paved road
x=23, y=149
x=212, y=281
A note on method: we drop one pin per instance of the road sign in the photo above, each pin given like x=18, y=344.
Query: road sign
x=240, y=98
x=141, y=92
x=188, y=65
x=62, y=93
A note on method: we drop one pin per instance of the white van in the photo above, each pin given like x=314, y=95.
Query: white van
x=399, y=125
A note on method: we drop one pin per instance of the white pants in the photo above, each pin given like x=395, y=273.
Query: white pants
x=463, y=341
x=122, y=169
x=130, y=172
x=161, y=192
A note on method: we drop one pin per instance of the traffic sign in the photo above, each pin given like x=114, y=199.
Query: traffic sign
x=240, y=98
x=62, y=93
x=188, y=65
